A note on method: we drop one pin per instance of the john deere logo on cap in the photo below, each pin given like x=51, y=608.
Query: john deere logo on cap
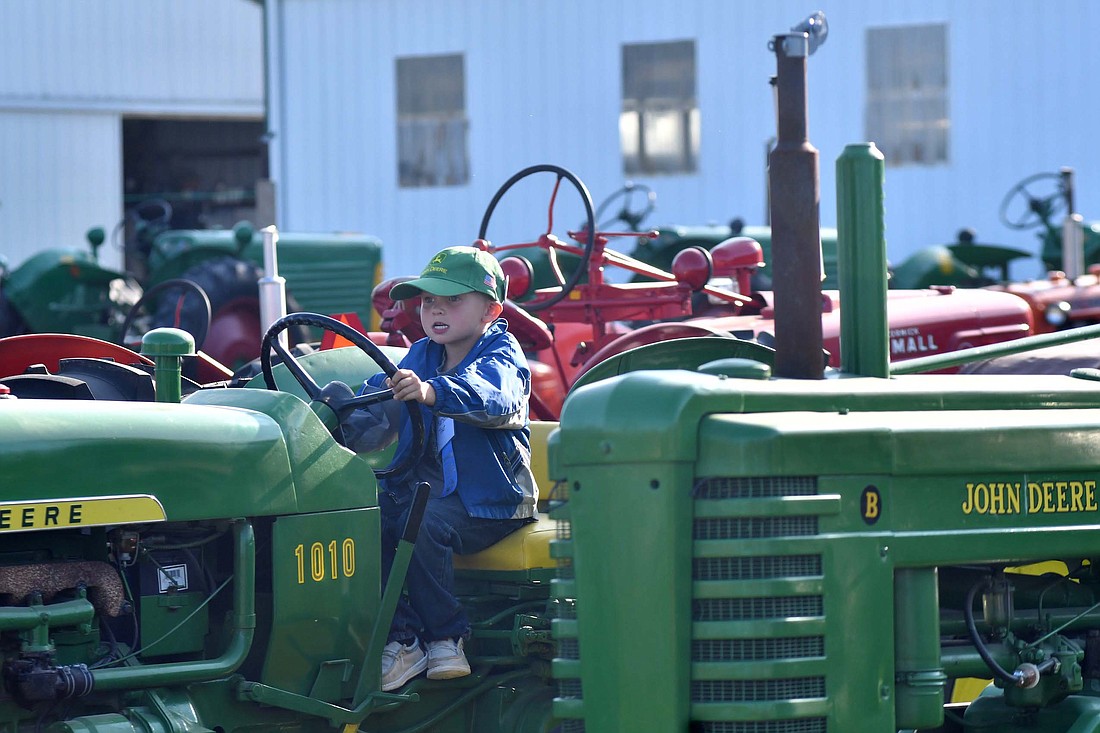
x=435, y=266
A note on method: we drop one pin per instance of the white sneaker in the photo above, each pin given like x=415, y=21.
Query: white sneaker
x=401, y=663
x=446, y=660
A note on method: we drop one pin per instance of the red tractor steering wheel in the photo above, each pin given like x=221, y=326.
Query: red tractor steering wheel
x=547, y=240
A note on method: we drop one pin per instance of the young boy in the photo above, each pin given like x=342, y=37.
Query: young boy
x=473, y=383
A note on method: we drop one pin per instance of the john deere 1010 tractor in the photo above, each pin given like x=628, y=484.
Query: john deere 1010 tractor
x=214, y=565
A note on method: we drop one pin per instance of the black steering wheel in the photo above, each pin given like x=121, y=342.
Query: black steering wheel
x=338, y=395
x=547, y=240
x=632, y=217
x=156, y=290
x=1038, y=209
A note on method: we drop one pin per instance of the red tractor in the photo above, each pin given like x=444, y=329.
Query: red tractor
x=585, y=322
x=1067, y=296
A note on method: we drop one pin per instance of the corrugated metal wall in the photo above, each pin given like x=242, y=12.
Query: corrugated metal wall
x=71, y=69
x=59, y=176
x=543, y=85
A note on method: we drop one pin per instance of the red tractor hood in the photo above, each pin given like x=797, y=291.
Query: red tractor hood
x=921, y=322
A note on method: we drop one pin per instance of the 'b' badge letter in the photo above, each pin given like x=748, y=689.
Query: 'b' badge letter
x=870, y=505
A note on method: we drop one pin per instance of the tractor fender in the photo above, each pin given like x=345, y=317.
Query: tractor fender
x=669, y=346
x=18, y=353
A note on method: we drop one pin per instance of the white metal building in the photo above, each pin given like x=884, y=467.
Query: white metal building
x=73, y=73
x=402, y=117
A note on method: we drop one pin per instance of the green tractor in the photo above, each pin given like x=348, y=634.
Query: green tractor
x=214, y=565
x=777, y=548
x=1065, y=295
x=1041, y=202
x=1038, y=202
x=70, y=291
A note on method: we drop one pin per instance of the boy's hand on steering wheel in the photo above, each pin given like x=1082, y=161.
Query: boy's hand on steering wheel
x=407, y=386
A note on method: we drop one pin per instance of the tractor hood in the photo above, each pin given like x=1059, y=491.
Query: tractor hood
x=920, y=322
x=81, y=463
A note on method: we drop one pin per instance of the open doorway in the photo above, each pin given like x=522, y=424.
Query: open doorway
x=191, y=174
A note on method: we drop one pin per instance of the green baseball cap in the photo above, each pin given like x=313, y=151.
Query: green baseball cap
x=454, y=271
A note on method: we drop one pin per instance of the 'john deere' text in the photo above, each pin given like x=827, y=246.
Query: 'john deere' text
x=1035, y=497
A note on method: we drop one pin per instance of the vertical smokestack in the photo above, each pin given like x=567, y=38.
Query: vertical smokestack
x=795, y=198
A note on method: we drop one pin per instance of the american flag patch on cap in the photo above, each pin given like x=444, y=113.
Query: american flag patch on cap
x=489, y=280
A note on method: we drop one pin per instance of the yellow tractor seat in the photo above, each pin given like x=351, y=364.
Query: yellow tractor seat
x=525, y=549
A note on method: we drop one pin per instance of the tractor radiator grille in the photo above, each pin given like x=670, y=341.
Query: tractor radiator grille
x=569, y=689
x=756, y=650
x=756, y=690
x=749, y=528
x=568, y=646
x=765, y=487
x=747, y=568
x=739, y=609
x=758, y=642
x=808, y=725
x=758, y=616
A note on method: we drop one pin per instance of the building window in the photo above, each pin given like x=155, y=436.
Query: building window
x=659, y=124
x=431, y=122
x=907, y=113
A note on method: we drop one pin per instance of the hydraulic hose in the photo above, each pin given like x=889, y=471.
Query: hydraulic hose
x=1021, y=677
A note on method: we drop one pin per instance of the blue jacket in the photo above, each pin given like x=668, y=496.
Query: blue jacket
x=488, y=459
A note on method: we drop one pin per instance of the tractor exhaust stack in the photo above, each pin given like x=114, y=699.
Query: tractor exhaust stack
x=795, y=198
x=1073, y=232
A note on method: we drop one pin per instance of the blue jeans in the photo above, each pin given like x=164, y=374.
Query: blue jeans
x=431, y=611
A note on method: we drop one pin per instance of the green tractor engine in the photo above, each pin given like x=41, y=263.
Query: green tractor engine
x=123, y=580
x=832, y=556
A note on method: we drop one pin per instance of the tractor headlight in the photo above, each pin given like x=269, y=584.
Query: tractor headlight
x=124, y=292
x=1057, y=314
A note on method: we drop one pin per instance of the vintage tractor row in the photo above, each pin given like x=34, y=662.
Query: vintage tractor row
x=1069, y=251
x=740, y=544
x=1066, y=296
x=70, y=291
x=579, y=322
